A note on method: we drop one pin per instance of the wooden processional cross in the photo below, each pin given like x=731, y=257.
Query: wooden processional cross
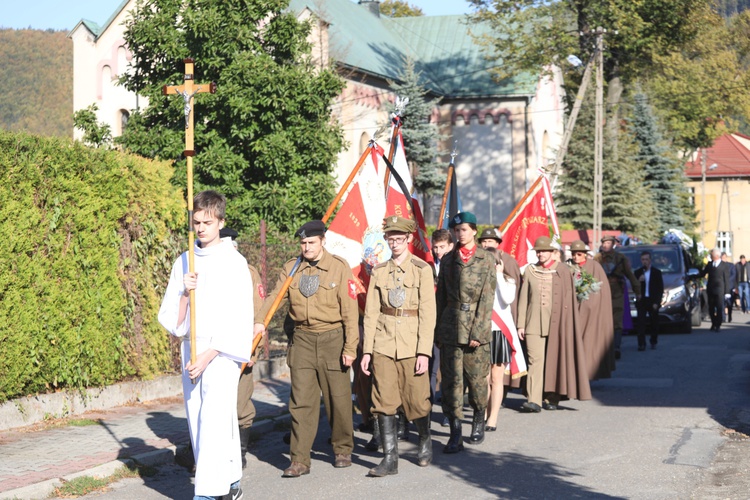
x=187, y=90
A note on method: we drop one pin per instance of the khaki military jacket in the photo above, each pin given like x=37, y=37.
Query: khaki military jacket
x=333, y=305
x=400, y=337
x=541, y=298
x=617, y=267
x=465, y=296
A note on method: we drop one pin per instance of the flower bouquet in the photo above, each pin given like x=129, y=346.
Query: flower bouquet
x=586, y=284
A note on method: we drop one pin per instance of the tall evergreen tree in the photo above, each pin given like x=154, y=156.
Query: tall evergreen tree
x=664, y=178
x=266, y=138
x=626, y=203
x=421, y=136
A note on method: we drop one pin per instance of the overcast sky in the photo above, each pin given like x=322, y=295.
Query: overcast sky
x=65, y=14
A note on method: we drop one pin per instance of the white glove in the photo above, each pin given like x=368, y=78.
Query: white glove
x=727, y=295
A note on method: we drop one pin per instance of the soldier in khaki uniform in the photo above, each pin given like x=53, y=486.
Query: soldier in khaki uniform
x=323, y=306
x=465, y=296
x=617, y=267
x=399, y=329
x=246, y=386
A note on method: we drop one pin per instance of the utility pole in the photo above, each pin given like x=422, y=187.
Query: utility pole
x=598, y=137
x=560, y=156
x=703, y=195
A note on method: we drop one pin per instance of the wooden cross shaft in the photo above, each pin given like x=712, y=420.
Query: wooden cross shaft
x=187, y=90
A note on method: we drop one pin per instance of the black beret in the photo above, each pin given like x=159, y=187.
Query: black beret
x=227, y=232
x=310, y=229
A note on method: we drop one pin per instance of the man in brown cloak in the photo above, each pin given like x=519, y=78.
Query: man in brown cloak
x=547, y=315
x=595, y=317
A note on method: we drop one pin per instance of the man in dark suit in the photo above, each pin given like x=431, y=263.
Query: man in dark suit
x=652, y=289
x=729, y=302
x=718, y=288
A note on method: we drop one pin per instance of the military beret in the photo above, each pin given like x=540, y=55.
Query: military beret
x=544, y=244
x=310, y=229
x=609, y=237
x=396, y=224
x=578, y=246
x=491, y=234
x=463, y=218
x=227, y=232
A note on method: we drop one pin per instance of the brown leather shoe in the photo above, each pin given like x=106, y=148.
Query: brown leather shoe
x=342, y=461
x=296, y=470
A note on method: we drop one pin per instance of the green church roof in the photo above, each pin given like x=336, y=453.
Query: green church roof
x=451, y=63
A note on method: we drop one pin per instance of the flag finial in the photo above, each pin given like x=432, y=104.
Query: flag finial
x=454, y=153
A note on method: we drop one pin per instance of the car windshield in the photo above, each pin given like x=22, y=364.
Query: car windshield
x=666, y=260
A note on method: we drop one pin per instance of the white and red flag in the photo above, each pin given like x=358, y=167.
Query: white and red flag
x=529, y=220
x=356, y=233
x=398, y=198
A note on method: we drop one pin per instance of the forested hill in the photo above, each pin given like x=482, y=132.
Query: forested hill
x=728, y=8
x=36, y=82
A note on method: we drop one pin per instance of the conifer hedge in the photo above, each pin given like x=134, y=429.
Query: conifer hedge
x=87, y=241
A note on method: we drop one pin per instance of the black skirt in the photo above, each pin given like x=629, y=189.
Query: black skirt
x=500, y=351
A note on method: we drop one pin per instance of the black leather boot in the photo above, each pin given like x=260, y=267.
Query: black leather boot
x=424, y=455
x=403, y=425
x=389, y=465
x=374, y=443
x=477, y=428
x=244, y=440
x=456, y=441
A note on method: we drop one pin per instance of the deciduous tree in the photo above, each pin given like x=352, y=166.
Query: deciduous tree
x=266, y=138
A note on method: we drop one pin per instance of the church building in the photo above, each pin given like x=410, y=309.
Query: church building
x=506, y=131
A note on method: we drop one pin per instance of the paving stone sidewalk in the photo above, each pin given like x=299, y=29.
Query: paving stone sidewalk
x=40, y=456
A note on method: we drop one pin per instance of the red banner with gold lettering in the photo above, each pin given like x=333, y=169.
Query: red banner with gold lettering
x=529, y=220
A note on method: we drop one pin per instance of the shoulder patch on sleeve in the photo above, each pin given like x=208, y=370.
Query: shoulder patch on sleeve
x=352, y=286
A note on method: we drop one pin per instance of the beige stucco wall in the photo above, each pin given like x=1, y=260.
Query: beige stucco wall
x=720, y=209
x=97, y=64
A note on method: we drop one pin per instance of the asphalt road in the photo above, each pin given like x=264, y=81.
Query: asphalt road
x=670, y=424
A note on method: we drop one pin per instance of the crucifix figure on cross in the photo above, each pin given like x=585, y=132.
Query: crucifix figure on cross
x=187, y=90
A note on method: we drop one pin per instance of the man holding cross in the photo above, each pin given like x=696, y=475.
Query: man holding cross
x=223, y=289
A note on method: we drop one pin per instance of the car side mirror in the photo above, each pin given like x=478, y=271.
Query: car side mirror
x=693, y=273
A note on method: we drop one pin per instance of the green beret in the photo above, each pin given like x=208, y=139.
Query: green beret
x=578, y=246
x=491, y=234
x=396, y=224
x=544, y=244
x=310, y=229
x=609, y=237
x=463, y=218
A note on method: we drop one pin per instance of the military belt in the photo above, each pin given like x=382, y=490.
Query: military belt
x=397, y=311
x=463, y=306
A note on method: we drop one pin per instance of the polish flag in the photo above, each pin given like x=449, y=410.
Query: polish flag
x=397, y=203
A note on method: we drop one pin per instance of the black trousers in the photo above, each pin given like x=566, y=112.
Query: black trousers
x=648, y=306
x=716, y=308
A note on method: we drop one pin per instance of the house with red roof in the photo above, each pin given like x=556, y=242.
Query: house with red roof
x=720, y=182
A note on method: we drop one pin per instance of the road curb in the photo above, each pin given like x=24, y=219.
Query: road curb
x=29, y=410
